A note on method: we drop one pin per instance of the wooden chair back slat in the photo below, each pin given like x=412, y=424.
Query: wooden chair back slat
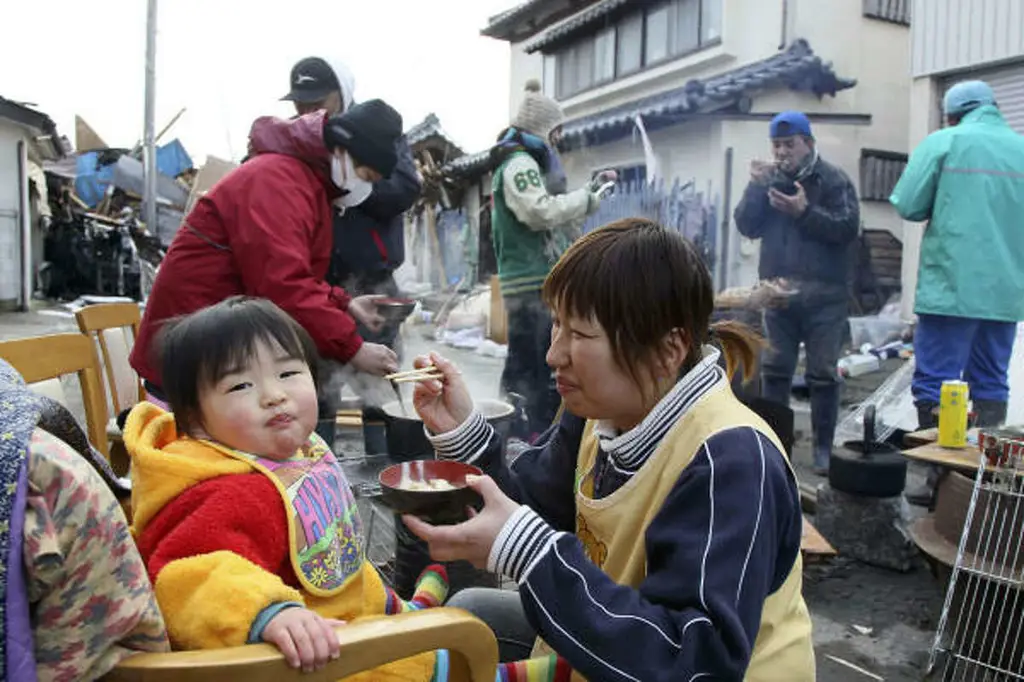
x=39, y=358
x=94, y=321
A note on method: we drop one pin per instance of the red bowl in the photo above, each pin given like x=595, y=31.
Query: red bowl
x=434, y=506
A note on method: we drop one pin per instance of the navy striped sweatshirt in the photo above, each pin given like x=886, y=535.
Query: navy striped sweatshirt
x=725, y=539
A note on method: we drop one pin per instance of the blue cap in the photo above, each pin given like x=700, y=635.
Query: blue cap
x=967, y=95
x=790, y=123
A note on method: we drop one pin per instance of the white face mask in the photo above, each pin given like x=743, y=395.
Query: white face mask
x=343, y=175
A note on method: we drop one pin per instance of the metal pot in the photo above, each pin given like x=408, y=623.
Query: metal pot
x=407, y=440
x=866, y=467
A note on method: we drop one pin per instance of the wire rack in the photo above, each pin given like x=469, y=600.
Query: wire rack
x=980, y=635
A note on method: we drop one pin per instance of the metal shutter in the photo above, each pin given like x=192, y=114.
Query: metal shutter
x=1008, y=84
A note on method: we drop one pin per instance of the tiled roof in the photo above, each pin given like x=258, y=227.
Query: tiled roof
x=498, y=22
x=428, y=128
x=27, y=116
x=468, y=165
x=577, y=23
x=796, y=68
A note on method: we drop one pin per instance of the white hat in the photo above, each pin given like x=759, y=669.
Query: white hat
x=538, y=114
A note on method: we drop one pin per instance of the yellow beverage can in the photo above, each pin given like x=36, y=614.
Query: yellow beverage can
x=953, y=414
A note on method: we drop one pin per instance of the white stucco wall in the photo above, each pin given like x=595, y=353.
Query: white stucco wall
x=877, y=54
x=10, y=226
x=522, y=67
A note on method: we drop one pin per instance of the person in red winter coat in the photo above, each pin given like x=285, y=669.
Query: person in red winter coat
x=265, y=230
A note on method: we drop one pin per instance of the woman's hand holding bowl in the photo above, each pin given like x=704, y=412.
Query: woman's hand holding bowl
x=442, y=404
x=470, y=540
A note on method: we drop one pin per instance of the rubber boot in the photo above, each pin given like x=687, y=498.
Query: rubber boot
x=824, y=415
x=990, y=413
x=927, y=416
x=924, y=496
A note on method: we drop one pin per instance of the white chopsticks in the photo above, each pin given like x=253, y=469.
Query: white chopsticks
x=421, y=374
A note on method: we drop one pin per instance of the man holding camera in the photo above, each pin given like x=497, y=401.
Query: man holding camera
x=806, y=213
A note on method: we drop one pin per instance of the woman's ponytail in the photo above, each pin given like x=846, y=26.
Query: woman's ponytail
x=740, y=345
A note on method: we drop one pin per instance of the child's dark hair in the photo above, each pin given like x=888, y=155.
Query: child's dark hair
x=200, y=349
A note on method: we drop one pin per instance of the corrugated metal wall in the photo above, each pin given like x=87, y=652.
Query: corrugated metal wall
x=1008, y=84
x=947, y=35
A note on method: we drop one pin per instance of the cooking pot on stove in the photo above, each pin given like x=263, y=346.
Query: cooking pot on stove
x=406, y=439
x=866, y=467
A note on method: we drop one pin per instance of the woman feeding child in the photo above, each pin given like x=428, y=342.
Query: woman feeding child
x=655, y=531
x=246, y=522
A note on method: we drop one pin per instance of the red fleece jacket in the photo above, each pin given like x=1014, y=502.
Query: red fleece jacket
x=264, y=230
x=223, y=513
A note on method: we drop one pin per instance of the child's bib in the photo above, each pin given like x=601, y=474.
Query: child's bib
x=325, y=529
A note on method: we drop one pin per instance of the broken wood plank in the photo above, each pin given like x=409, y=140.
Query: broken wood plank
x=965, y=459
x=349, y=418
x=927, y=436
x=813, y=543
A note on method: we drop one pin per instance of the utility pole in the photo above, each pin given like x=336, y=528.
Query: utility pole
x=149, y=134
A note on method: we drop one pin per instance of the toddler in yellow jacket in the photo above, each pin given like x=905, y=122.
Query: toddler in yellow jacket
x=248, y=528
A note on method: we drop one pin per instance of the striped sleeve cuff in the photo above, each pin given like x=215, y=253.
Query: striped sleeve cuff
x=522, y=542
x=464, y=443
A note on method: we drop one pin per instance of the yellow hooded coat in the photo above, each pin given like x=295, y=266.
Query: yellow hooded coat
x=204, y=518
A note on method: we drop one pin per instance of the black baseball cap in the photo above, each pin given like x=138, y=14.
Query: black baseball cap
x=312, y=80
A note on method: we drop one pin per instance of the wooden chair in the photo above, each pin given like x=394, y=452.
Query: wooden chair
x=40, y=358
x=364, y=645
x=114, y=327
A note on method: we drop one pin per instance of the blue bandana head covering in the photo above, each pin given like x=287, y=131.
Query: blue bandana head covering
x=19, y=413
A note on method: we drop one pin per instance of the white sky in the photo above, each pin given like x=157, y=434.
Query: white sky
x=228, y=61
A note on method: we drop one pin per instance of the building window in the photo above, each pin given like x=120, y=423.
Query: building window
x=894, y=11
x=629, y=48
x=550, y=75
x=604, y=56
x=879, y=173
x=656, y=34
x=644, y=38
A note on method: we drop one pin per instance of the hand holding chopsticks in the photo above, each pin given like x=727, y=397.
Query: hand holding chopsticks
x=422, y=374
x=443, y=403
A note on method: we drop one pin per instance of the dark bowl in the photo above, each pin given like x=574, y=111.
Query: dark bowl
x=395, y=309
x=434, y=506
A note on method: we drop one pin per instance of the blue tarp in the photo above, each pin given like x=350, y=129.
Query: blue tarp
x=172, y=160
x=91, y=182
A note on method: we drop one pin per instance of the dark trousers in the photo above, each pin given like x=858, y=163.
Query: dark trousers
x=526, y=369
x=978, y=351
x=502, y=611
x=821, y=323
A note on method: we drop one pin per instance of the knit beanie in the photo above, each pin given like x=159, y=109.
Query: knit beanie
x=538, y=114
x=369, y=132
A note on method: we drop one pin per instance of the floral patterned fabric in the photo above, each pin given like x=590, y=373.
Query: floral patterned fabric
x=92, y=602
x=19, y=411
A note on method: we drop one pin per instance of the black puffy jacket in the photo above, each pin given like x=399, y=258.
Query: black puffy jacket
x=370, y=237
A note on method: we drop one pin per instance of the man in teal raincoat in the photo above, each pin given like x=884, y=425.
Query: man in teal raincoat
x=967, y=181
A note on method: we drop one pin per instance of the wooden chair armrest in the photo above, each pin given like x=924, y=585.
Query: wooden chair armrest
x=364, y=645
